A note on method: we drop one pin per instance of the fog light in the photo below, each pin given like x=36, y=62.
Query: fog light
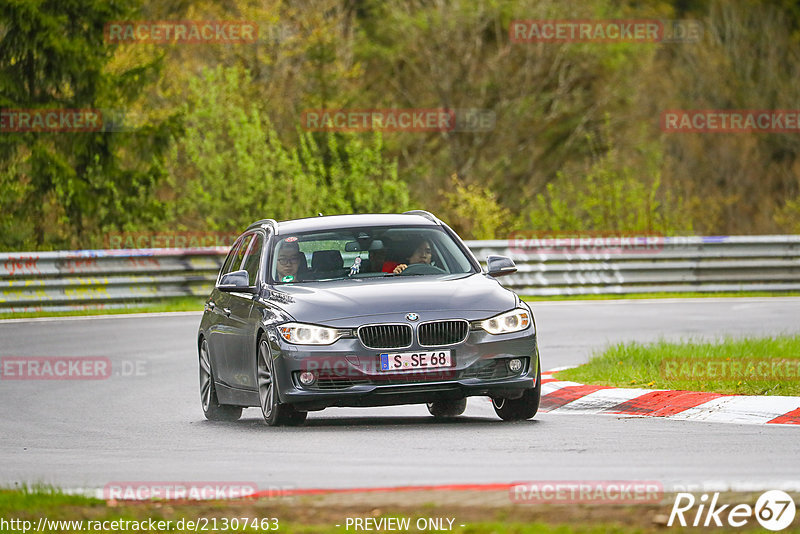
x=515, y=365
x=307, y=378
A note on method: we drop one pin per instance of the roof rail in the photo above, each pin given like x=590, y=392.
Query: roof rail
x=265, y=222
x=428, y=215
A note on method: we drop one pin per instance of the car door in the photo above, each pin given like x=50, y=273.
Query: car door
x=240, y=343
x=217, y=304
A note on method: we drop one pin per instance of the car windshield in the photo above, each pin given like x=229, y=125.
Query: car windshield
x=366, y=253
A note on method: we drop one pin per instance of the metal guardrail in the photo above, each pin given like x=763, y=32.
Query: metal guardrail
x=90, y=279
x=649, y=264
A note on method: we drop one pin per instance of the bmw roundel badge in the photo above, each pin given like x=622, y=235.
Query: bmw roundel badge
x=412, y=316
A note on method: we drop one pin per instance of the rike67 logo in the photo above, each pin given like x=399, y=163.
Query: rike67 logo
x=774, y=510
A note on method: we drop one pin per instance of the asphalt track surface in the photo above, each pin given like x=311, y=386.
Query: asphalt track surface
x=86, y=434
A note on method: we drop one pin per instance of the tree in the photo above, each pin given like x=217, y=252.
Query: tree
x=230, y=167
x=72, y=184
x=609, y=196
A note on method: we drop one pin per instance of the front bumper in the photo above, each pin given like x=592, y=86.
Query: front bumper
x=348, y=373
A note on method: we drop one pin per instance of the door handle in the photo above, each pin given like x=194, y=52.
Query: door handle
x=226, y=311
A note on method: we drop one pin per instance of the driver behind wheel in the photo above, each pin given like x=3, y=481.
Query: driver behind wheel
x=422, y=253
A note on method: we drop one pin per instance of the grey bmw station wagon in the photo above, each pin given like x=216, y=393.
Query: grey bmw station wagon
x=363, y=310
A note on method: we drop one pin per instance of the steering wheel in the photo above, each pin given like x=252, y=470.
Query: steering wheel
x=422, y=268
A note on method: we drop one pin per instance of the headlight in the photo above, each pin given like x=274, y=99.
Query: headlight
x=308, y=334
x=507, y=322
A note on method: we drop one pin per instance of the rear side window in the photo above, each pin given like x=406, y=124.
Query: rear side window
x=227, y=267
x=252, y=259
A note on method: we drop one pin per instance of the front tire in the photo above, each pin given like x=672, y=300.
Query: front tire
x=524, y=407
x=275, y=413
x=447, y=408
x=212, y=409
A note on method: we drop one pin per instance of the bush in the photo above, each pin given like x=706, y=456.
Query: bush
x=230, y=168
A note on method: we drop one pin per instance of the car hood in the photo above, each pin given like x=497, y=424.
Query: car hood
x=472, y=297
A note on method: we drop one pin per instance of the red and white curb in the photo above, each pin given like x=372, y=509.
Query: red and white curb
x=571, y=397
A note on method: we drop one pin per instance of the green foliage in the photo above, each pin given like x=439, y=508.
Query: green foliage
x=12, y=212
x=66, y=186
x=230, y=168
x=473, y=211
x=749, y=58
x=576, y=145
x=608, y=197
x=788, y=216
x=354, y=175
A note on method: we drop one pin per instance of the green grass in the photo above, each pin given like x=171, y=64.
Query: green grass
x=742, y=366
x=40, y=497
x=664, y=295
x=151, y=306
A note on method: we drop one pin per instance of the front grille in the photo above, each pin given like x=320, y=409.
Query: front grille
x=438, y=333
x=385, y=336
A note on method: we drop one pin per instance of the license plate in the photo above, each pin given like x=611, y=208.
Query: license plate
x=407, y=361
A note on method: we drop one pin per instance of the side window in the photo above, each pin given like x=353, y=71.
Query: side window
x=252, y=259
x=240, y=254
x=229, y=261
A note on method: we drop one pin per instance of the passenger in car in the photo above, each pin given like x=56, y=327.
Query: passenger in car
x=391, y=257
x=375, y=261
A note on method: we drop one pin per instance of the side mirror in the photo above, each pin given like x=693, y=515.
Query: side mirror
x=236, y=281
x=500, y=266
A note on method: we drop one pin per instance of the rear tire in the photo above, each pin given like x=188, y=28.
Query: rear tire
x=274, y=412
x=447, y=408
x=212, y=409
x=524, y=407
